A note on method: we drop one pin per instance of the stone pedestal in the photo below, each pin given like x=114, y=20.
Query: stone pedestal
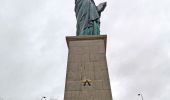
x=87, y=73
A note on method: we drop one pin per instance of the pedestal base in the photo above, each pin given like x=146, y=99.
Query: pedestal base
x=87, y=73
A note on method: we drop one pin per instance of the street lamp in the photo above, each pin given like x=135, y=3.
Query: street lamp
x=43, y=98
x=141, y=96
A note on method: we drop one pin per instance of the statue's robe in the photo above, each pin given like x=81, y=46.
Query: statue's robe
x=88, y=18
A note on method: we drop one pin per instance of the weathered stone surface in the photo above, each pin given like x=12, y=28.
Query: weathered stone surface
x=73, y=86
x=87, y=73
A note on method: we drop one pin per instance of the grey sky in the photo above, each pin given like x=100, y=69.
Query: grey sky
x=33, y=51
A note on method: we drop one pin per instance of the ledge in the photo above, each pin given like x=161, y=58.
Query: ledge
x=86, y=37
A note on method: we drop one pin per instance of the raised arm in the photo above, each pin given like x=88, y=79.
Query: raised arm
x=101, y=7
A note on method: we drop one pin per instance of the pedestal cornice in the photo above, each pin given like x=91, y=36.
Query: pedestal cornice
x=86, y=37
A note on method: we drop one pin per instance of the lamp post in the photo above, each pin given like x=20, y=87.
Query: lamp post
x=43, y=98
x=141, y=96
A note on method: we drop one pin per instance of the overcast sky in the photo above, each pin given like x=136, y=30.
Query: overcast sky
x=33, y=50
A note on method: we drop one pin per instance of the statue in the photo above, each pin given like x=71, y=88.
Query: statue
x=88, y=17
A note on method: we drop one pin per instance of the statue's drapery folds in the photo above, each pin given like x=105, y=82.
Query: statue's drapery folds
x=88, y=17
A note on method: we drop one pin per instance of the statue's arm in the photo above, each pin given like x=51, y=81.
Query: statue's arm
x=101, y=7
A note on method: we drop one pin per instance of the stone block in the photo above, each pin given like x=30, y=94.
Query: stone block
x=74, y=67
x=97, y=57
x=98, y=85
x=73, y=86
x=74, y=76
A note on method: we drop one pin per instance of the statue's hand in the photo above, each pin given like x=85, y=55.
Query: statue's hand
x=101, y=7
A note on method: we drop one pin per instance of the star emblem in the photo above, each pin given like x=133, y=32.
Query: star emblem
x=86, y=82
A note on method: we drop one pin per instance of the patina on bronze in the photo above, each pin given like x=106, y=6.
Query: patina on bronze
x=88, y=17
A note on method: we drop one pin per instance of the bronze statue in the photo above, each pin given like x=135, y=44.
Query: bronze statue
x=88, y=17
